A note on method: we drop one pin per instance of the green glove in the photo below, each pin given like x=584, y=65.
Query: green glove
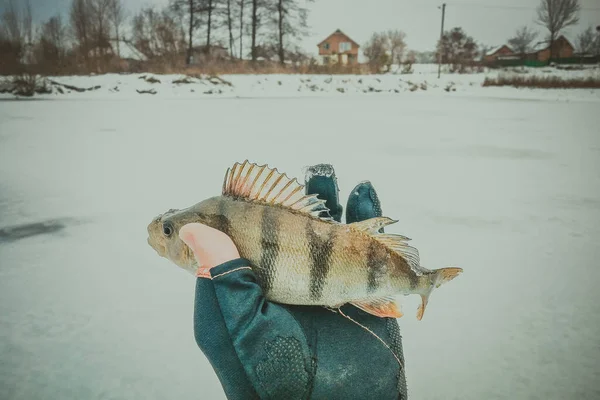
x=261, y=349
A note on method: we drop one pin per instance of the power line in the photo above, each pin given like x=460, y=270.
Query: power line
x=509, y=7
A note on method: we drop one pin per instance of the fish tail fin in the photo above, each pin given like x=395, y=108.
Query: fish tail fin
x=444, y=275
x=440, y=276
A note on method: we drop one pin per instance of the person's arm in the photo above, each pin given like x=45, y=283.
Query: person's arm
x=268, y=341
x=213, y=339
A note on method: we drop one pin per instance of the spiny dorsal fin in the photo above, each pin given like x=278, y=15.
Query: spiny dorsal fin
x=372, y=225
x=399, y=244
x=261, y=184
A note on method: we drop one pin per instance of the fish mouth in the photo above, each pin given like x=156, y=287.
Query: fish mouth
x=161, y=250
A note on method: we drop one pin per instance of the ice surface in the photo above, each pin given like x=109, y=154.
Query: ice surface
x=503, y=183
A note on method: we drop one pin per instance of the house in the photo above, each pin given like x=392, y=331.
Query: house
x=338, y=48
x=561, y=48
x=503, y=52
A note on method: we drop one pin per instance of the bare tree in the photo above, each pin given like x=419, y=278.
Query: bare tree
x=555, y=15
x=290, y=19
x=191, y=9
x=586, y=41
x=80, y=21
x=17, y=24
x=16, y=36
x=241, y=5
x=100, y=13
x=457, y=49
x=51, y=45
x=210, y=8
x=156, y=34
x=117, y=17
x=260, y=12
x=385, y=48
x=28, y=23
x=521, y=42
x=376, y=51
x=395, y=45
x=255, y=23
x=229, y=19
x=11, y=29
x=12, y=42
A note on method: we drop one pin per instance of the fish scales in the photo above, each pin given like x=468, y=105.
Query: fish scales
x=281, y=245
x=299, y=255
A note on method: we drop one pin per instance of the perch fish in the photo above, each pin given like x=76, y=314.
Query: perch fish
x=300, y=255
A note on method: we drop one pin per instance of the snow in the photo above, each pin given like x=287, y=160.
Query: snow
x=423, y=80
x=501, y=182
x=539, y=46
x=126, y=50
x=493, y=50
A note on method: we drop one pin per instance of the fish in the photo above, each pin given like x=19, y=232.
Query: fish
x=299, y=254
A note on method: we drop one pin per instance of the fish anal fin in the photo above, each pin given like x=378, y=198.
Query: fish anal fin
x=380, y=307
x=372, y=225
x=421, y=310
x=262, y=184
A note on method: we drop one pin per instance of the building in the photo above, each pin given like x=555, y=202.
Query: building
x=561, y=48
x=338, y=48
x=503, y=52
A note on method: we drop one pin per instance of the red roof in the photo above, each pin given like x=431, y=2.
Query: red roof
x=338, y=32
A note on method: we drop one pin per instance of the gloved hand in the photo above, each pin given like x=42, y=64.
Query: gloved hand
x=261, y=349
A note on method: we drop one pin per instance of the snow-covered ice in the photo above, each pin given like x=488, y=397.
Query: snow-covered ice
x=503, y=183
x=423, y=80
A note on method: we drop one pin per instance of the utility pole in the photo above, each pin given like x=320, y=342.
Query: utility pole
x=441, y=36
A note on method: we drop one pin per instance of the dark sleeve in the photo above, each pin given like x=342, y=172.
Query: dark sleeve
x=213, y=339
x=268, y=340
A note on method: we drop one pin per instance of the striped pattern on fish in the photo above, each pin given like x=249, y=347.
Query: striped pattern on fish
x=299, y=257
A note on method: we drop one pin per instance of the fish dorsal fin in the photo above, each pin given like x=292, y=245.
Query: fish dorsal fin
x=262, y=184
x=372, y=225
x=399, y=244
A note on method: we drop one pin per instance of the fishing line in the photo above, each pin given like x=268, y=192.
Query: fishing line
x=371, y=332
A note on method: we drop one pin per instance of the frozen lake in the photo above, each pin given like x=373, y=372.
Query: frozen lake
x=507, y=188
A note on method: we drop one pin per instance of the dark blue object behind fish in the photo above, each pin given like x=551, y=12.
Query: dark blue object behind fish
x=266, y=350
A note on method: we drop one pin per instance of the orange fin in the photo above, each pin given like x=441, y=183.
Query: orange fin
x=421, y=310
x=265, y=185
x=380, y=307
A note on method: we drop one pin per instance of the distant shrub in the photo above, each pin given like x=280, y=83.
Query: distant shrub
x=543, y=82
x=29, y=84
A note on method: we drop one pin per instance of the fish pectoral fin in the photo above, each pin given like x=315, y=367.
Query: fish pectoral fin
x=385, y=307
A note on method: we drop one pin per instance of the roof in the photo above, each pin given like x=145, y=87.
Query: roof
x=494, y=50
x=337, y=32
x=544, y=44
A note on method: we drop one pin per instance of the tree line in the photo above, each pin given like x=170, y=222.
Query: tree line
x=460, y=51
x=184, y=32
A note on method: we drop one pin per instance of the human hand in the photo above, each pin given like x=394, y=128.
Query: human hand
x=210, y=246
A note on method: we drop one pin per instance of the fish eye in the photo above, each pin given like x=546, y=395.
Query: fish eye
x=167, y=229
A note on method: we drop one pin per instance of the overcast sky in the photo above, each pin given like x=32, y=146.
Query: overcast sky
x=490, y=22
